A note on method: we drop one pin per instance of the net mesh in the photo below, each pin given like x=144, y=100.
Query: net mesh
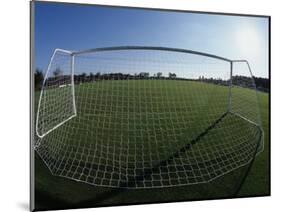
x=146, y=118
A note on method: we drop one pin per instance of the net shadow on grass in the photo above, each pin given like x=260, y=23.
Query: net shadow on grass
x=132, y=182
x=119, y=196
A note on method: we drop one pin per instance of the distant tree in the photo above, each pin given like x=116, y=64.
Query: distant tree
x=92, y=76
x=159, y=74
x=57, y=72
x=172, y=75
x=97, y=75
x=262, y=83
x=144, y=75
x=83, y=77
x=38, y=78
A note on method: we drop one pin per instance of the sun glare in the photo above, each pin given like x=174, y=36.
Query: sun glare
x=247, y=40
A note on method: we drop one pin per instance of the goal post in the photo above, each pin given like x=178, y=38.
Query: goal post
x=57, y=97
x=244, y=95
x=143, y=117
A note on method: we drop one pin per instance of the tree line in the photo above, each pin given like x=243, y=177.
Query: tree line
x=83, y=77
x=262, y=84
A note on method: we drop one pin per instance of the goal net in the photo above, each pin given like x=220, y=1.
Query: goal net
x=142, y=117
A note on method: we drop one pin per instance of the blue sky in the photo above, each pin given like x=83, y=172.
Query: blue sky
x=77, y=27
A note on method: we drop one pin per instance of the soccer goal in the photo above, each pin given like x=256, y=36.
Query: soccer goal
x=143, y=117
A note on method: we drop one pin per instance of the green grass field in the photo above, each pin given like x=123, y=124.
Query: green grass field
x=108, y=121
